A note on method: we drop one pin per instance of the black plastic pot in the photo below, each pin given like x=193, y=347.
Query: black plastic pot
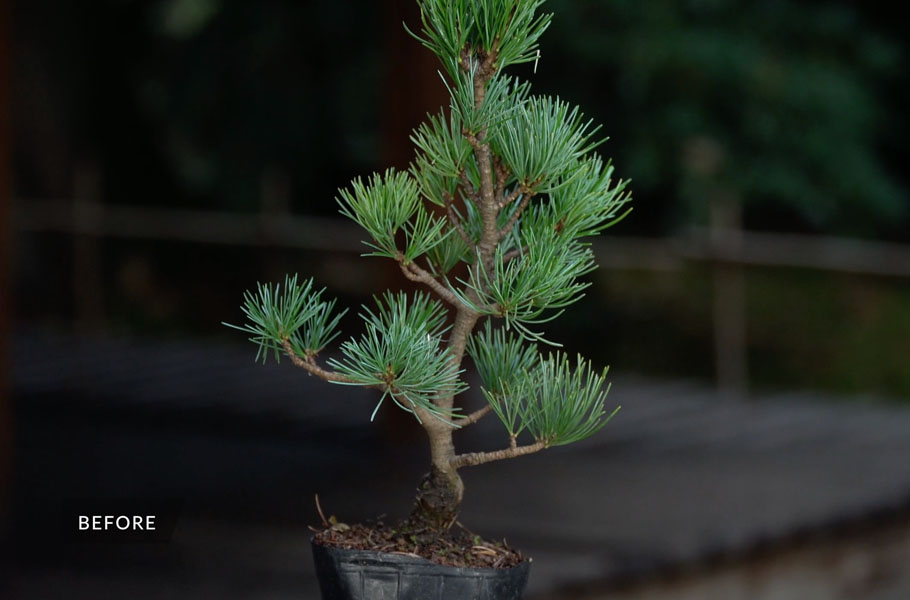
x=368, y=575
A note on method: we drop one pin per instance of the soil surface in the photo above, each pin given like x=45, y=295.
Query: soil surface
x=456, y=547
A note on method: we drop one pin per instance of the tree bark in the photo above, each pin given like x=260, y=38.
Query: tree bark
x=440, y=492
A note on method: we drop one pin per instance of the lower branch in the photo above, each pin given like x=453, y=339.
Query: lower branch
x=310, y=365
x=479, y=458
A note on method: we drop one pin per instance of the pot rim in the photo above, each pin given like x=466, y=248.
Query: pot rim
x=401, y=558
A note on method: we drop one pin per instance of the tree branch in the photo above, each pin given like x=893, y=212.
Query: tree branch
x=489, y=237
x=513, y=254
x=310, y=365
x=512, y=197
x=453, y=219
x=487, y=66
x=473, y=417
x=473, y=140
x=502, y=175
x=467, y=186
x=479, y=458
x=507, y=228
x=415, y=273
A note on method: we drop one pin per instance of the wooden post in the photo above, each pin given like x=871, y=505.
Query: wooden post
x=88, y=283
x=412, y=84
x=704, y=160
x=730, y=351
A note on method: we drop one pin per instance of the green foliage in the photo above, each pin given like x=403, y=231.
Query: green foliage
x=589, y=202
x=518, y=221
x=386, y=205
x=544, y=276
x=508, y=27
x=542, y=141
x=779, y=103
x=503, y=96
x=401, y=352
x=500, y=358
x=501, y=361
x=433, y=185
x=555, y=403
x=296, y=314
x=445, y=149
x=453, y=250
x=449, y=252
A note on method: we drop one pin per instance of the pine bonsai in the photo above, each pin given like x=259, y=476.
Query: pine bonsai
x=492, y=219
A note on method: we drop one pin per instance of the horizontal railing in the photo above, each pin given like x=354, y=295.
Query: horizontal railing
x=728, y=249
x=336, y=235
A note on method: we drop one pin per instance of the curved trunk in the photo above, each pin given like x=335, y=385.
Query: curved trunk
x=440, y=491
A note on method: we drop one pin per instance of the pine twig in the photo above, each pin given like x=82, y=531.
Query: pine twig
x=472, y=139
x=513, y=196
x=478, y=458
x=473, y=417
x=310, y=365
x=468, y=187
x=453, y=219
x=513, y=254
x=507, y=228
x=415, y=273
x=502, y=175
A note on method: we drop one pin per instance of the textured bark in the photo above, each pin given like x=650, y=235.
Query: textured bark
x=310, y=365
x=438, y=499
x=440, y=492
x=479, y=458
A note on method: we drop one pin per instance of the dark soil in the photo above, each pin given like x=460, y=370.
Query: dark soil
x=455, y=547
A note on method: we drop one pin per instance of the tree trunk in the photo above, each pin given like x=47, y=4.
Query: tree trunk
x=440, y=491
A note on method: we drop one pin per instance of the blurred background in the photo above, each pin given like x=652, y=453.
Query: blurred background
x=160, y=157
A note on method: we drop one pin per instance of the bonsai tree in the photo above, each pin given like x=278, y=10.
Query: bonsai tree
x=492, y=220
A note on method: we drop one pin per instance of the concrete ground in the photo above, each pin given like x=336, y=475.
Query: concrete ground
x=679, y=480
x=867, y=563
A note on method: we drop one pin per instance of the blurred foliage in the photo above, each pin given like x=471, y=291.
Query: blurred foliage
x=236, y=89
x=797, y=106
x=778, y=102
x=838, y=333
x=830, y=331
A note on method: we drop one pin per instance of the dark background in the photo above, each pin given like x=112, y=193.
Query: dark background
x=793, y=112
x=796, y=110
